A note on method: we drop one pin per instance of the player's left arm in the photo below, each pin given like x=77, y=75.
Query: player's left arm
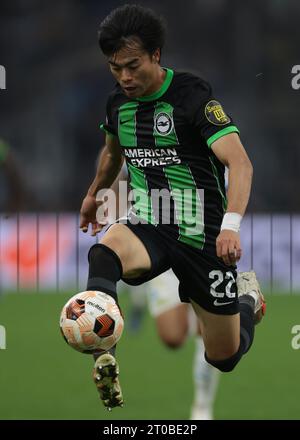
x=230, y=151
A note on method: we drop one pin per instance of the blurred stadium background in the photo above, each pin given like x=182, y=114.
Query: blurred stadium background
x=57, y=83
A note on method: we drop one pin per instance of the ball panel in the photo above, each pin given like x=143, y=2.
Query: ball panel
x=91, y=322
x=89, y=339
x=75, y=309
x=87, y=294
x=104, y=325
x=69, y=332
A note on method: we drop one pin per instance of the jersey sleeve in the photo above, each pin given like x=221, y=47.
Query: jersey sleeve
x=208, y=117
x=109, y=126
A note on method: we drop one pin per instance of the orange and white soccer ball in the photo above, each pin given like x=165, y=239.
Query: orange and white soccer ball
x=91, y=321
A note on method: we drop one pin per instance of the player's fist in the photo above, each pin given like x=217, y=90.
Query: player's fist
x=228, y=246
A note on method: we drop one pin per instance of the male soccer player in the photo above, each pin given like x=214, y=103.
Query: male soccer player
x=174, y=320
x=176, y=139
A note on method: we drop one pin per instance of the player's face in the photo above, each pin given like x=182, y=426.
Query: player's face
x=137, y=72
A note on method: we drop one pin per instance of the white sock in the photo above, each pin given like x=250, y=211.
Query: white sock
x=206, y=378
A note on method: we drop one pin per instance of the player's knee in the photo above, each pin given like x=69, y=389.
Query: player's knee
x=172, y=342
x=171, y=339
x=227, y=364
x=171, y=335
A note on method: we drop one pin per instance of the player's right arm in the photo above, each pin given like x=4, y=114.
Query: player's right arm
x=109, y=165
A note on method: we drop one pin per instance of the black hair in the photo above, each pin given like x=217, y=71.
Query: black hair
x=131, y=24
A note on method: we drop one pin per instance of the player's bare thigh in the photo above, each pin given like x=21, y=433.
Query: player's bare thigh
x=129, y=248
x=172, y=325
x=221, y=333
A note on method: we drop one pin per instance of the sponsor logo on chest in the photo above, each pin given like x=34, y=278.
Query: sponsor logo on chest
x=144, y=157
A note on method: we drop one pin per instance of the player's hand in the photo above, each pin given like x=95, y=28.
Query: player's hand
x=88, y=215
x=229, y=246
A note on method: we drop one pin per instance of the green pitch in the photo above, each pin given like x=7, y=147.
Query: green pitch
x=42, y=378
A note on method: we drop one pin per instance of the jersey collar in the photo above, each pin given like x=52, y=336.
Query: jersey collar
x=164, y=87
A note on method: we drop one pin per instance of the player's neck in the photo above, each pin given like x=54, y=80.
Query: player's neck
x=157, y=82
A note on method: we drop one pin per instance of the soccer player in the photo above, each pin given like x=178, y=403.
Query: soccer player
x=176, y=139
x=174, y=320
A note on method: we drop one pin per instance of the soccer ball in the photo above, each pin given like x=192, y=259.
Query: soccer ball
x=91, y=321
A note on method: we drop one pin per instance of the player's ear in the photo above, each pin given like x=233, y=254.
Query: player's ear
x=156, y=56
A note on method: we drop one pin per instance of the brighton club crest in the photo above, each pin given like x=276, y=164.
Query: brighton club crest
x=163, y=123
